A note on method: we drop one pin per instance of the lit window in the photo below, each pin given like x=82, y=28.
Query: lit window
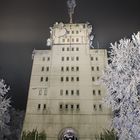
x=44, y=107
x=43, y=59
x=47, y=69
x=77, y=78
x=97, y=68
x=62, y=58
x=77, y=68
x=100, y=107
x=42, y=69
x=92, y=68
x=46, y=79
x=67, y=79
x=91, y=58
x=72, y=92
x=77, y=92
x=40, y=91
x=41, y=79
x=94, y=107
x=94, y=92
x=62, y=68
x=77, y=58
x=93, y=79
x=67, y=68
x=99, y=92
x=67, y=58
x=62, y=79
x=39, y=106
x=61, y=92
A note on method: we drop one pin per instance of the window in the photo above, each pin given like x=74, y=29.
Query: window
x=72, y=78
x=40, y=92
x=67, y=68
x=72, y=49
x=93, y=92
x=77, y=58
x=62, y=79
x=62, y=68
x=39, y=106
x=100, y=107
x=72, y=92
x=91, y=58
x=68, y=40
x=96, y=58
x=67, y=79
x=77, y=78
x=63, y=40
x=68, y=32
x=60, y=106
x=77, y=32
x=66, y=106
x=77, y=92
x=67, y=58
x=63, y=49
x=77, y=39
x=44, y=107
x=84, y=26
x=93, y=79
x=42, y=69
x=47, y=69
x=62, y=58
x=94, y=107
x=77, y=106
x=72, y=68
x=67, y=92
x=72, y=106
x=72, y=39
x=77, y=49
x=46, y=79
x=99, y=92
x=98, y=78
x=43, y=59
x=61, y=92
x=92, y=68
x=72, y=32
x=45, y=92
x=48, y=58
x=72, y=58
x=41, y=79
x=67, y=49
x=97, y=68
x=77, y=68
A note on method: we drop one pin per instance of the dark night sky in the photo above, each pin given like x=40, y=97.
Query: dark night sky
x=24, y=25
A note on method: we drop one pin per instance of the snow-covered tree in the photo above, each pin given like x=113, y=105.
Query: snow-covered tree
x=4, y=105
x=122, y=79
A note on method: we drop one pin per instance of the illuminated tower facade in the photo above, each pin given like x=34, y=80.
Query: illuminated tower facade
x=65, y=95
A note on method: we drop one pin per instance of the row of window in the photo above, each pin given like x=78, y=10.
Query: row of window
x=92, y=58
x=44, y=58
x=45, y=68
x=69, y=68
x=69, y=92
x=93, y=78
x=43, y=91
x=70, y=40
x=95, y=92
x=73, y=32
x=69, y=79
x=40, y=106
x=70, y=49
x=44, y=79
x=69, y=106
x=95, y=68
x=97, y=107
x=70, y=58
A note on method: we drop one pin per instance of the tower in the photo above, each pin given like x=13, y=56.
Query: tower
x=65, y=96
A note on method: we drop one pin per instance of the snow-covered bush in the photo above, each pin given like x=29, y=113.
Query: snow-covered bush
x=122, y=79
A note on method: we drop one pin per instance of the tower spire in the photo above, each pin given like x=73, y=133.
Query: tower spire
x=71, y=5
